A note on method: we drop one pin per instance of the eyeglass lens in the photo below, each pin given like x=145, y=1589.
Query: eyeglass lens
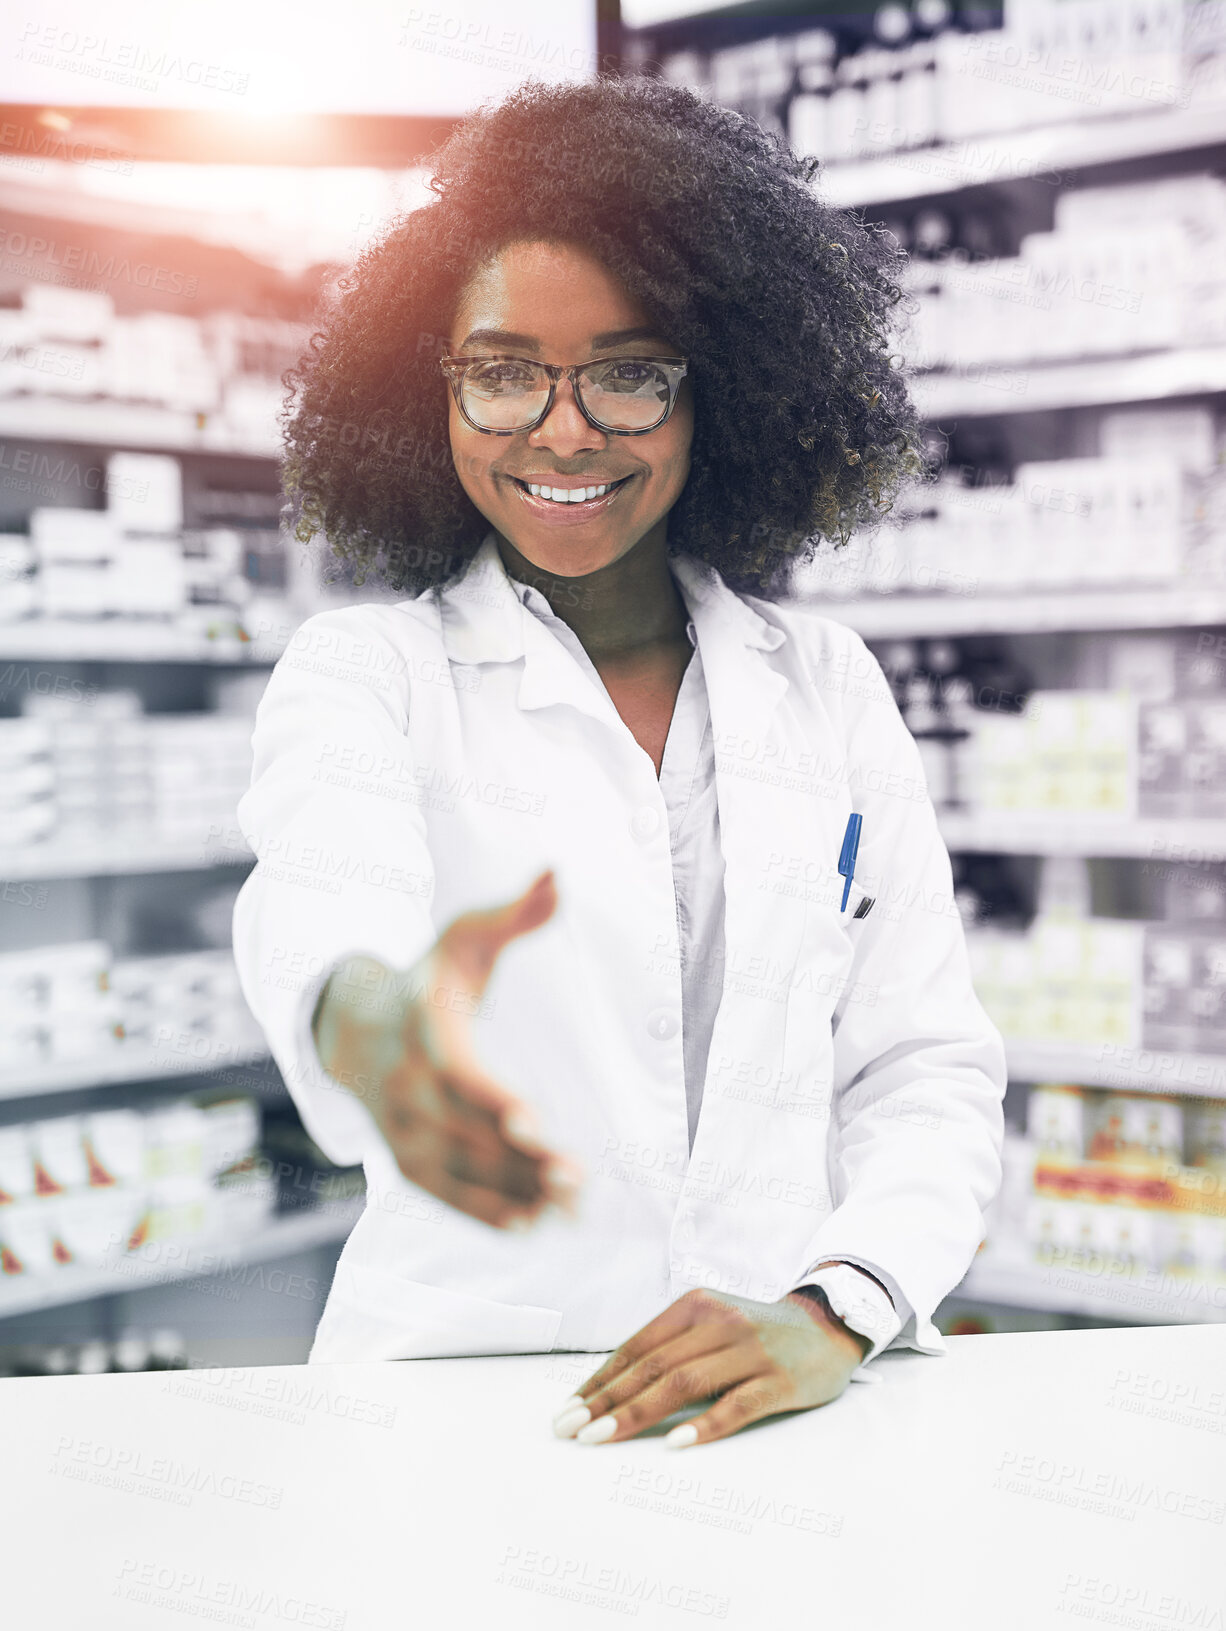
x=621, y=394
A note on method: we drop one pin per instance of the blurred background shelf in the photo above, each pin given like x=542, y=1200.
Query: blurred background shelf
x=999, y=834
x=903, y=616
x=135, y=426
x=1127, y=1069
x=129, y=1063
x=1050, y=153
x=182, y=1260
x=1142, y=1298
x=995, y=388
x=124, y=640
x=126, y=857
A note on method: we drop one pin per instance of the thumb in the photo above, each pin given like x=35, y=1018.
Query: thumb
x=474, y=940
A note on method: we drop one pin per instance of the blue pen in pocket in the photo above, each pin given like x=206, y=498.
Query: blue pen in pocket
x=847, y=859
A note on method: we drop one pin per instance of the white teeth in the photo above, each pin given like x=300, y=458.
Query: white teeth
x=568, y=495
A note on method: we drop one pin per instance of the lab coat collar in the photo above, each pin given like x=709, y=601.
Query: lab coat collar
x=486, y=621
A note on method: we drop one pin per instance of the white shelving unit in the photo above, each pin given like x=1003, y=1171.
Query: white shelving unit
x=1143, y=1297
x=124, y=640
x=1052, y=151
x=1086, y=382
x=1129, y=1069
x=1002, y=1273
x=105, y=422
x=129, y=1062
x=191, y=1259
x=912, y=616
x=995, y=833
x=125, y=856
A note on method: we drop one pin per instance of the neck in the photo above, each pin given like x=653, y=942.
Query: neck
x=631, y=603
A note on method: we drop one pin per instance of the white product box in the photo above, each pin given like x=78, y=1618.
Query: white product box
x=58, y=1154
x=174, y=1142
x=16, y=1165
x=54, y=312
x=18, y=599
x=1056, y=1122
x=114, y=1142
x=77, y=536
x=25, y=1238
x=145, y=492
x=79, y=589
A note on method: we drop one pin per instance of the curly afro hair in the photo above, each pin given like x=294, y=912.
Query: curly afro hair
x=803, y=426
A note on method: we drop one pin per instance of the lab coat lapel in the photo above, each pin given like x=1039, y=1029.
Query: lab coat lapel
x=756, y=814
x=485, y=621
x=770, y=809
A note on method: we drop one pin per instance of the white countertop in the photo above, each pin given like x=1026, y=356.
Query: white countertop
x=1022, y=1481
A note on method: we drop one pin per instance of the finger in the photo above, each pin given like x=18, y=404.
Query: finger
x=473, y=941
x=754, y=1399
x=643, y=1374
x=474, y=1160
x=691, y=1309
x=432, y=1148
x=510, y=1131
x=480, y=1202
x=690, y=1383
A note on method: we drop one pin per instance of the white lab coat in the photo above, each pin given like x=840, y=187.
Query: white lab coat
x=413, y=761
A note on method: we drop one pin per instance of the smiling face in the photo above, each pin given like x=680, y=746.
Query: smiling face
x=557, y=304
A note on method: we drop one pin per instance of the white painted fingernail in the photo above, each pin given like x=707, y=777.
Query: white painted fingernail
x=521, y=1125
x=597, y=1431
x=519, y=1225
x=570, y=1421
x=682, y=1436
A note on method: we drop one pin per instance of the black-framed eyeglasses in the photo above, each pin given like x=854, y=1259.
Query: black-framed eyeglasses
x=625, y=396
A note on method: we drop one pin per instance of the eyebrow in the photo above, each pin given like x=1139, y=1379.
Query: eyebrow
x=526, y=342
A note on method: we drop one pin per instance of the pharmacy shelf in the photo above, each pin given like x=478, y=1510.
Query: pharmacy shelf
x=989, y=388
x=1048, y=151
x=1130, y=1069
x=143, y=427
x=129, y=1062
x=122, y=640
x=185, y=1260
x=121, y=858
x=904, y=616
x=995, y=833
x=1139, y=1298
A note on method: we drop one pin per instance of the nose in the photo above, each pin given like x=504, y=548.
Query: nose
x=564, y=430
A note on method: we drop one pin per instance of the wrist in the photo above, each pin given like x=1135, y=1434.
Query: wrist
x=358, y=1023
x=817, y=1305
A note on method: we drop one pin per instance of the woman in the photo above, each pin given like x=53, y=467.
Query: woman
x=556, y=924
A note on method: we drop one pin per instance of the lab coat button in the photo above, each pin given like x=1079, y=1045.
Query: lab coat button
x=645, y=823
x=662, y=1024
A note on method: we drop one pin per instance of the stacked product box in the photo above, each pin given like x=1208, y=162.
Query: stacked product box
x=1066, y=981
x=1130, y=267
x=132, y=559
x=1105, y=983
x=223, y=370
x=1148, y=509
x=89, y=765
x=92, y=1189
x=1103, y=754
x=76, y=1002
x=1066, y=753
x=926, y=80
x=1134, y=1179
